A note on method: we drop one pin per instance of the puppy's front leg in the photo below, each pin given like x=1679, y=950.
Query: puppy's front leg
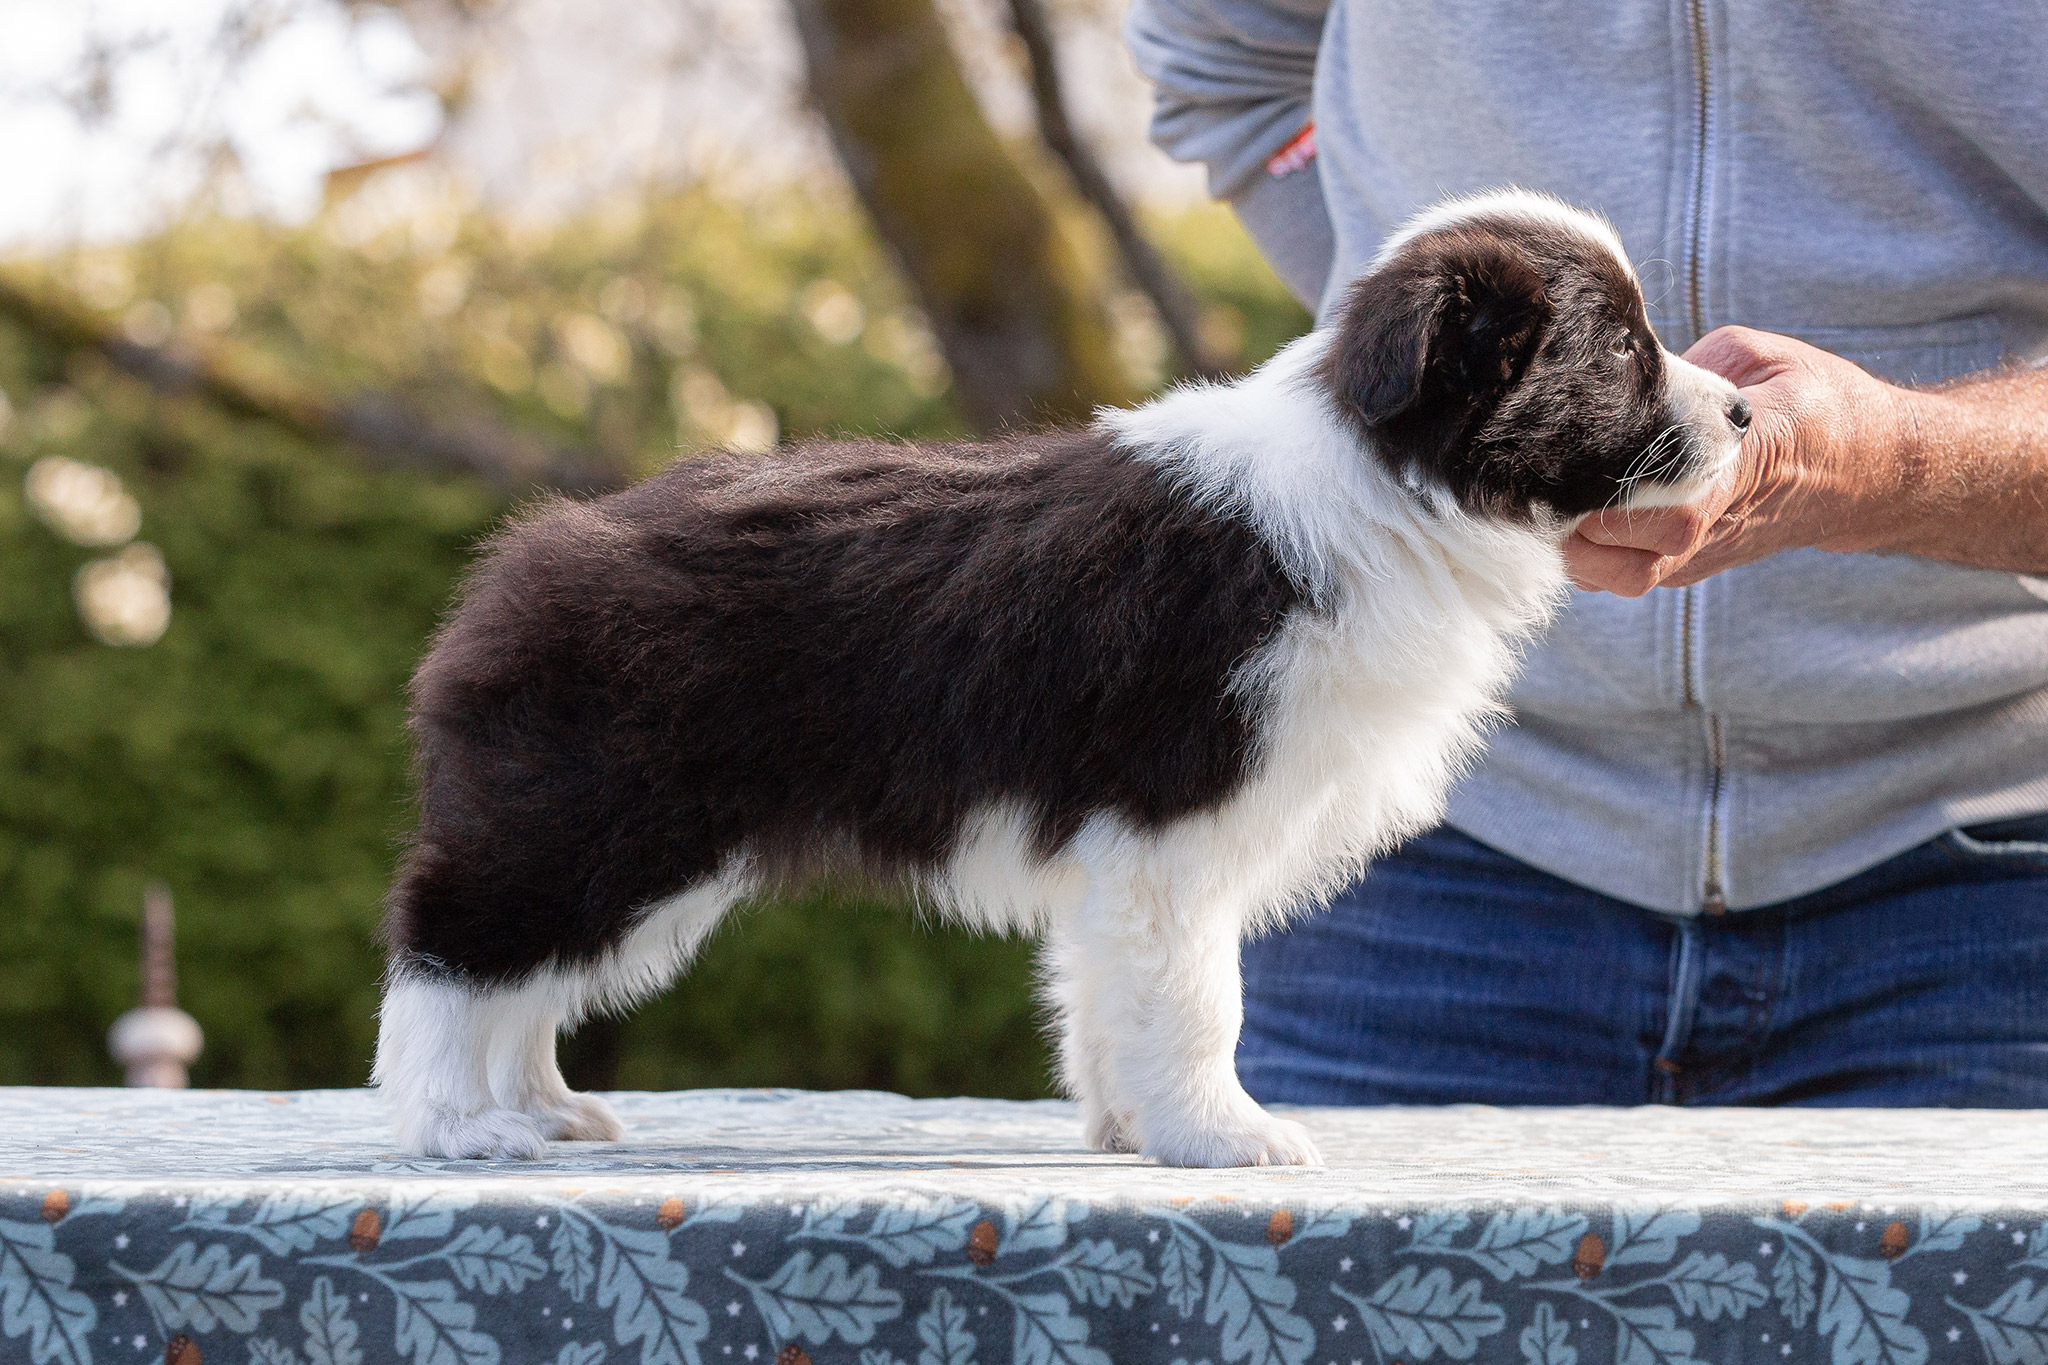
x=1169, y=1004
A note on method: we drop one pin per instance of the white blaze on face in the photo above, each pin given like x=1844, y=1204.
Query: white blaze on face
x=1509, y=202
x=1698, y=401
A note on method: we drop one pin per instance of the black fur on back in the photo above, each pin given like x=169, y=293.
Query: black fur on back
x=843, y=647
x=1483, y=356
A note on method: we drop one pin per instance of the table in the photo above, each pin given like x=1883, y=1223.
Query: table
x=760, y=1226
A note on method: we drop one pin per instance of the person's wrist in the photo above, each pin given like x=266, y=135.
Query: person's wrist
x=1880, y=476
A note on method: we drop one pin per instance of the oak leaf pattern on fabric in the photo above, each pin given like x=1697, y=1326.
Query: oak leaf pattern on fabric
x=877, y=1259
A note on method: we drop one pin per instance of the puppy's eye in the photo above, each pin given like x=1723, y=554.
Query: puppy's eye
x=1623, y=345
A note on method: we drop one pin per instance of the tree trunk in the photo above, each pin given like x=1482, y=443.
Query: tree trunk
x=1016, y=314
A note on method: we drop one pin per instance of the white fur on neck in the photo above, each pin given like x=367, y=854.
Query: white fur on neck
x=1272, y=449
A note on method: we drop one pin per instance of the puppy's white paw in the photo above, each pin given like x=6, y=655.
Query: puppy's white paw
x=585, y=1118
x=1106, y=1132
x=492, y=1135
x=1255, y=1139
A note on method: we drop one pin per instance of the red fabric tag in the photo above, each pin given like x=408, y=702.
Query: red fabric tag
x=1299, y=151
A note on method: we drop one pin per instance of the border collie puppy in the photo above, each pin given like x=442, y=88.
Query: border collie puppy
x=1140, y=688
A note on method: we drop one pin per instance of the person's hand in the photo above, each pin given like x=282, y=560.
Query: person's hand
x=1822, y=465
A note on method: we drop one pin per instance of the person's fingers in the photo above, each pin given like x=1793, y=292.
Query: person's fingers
x=1689, y=572
x=1662, y=530
x=1619, y=569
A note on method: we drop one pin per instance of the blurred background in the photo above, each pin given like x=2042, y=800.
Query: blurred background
x=299, y=298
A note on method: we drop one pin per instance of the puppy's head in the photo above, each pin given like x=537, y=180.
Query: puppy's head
x=1499, y=350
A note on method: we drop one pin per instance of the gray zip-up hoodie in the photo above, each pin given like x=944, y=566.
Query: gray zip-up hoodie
x=1872, y=179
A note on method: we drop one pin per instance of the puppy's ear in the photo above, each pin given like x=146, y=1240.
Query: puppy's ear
x=1452, y=320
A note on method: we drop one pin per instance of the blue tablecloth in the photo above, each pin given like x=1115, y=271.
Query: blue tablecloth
x=758, y=1226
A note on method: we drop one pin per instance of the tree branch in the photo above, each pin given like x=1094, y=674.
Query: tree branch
x=1147, y=268
x=384, y=427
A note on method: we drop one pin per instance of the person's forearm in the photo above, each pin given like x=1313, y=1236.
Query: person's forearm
x=1973, y=474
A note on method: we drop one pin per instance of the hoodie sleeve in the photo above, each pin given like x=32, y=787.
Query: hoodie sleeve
x=1233, y=81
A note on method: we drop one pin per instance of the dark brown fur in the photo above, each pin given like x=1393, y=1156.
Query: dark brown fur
x=851, y=645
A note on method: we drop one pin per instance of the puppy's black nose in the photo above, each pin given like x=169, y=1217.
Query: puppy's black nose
x=1739, y=413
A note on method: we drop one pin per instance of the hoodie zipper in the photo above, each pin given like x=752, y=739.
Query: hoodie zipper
x=1712, y=899
x=1702, y=114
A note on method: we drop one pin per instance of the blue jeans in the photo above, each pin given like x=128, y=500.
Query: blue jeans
x=1453, y=973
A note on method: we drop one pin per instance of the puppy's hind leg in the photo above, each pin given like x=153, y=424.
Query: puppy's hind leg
x=525, y=1076
x=436, y=1039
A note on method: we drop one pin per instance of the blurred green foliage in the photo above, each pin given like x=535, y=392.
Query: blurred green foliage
x=254, y=757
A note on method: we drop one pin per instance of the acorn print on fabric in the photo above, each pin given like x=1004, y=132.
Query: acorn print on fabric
x=1279, y=1227
x=55, y=1205
x=670, y=1215
x=364, y=1232
x=1893, y=1244
x=981, y=1243
x=1591, y=1255
x=792, y=1354
x=181, y=1350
